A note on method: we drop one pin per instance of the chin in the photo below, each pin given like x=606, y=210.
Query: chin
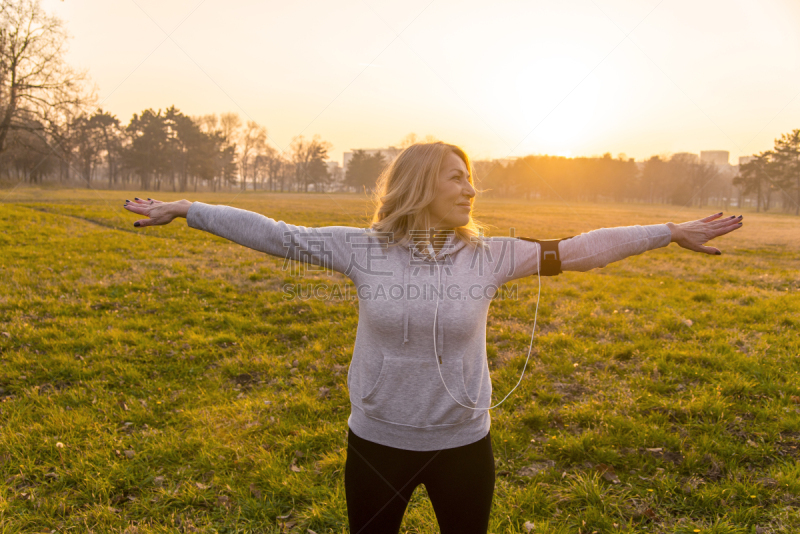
x=459, y=223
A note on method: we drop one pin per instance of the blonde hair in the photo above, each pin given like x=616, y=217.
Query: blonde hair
x=407, y=186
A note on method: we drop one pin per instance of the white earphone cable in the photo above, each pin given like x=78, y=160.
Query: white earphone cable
x=530, y=347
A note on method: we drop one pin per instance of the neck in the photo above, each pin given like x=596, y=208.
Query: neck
x=436, y=237
x=439, y=237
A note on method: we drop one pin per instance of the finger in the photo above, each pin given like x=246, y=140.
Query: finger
x=731, y=228
x=140, y=209
x=720, y=230
x=725, y=221
x=712, y=217
x=710, y=250
x=144, y=222
x=147, y=201
x=696, y=247
x=728, y=222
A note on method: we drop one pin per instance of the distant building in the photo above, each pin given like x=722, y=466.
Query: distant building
x=745, y=159
x=717, y=157
x=333, y=168
x=389, y=153
x=686, y=156
x=336, y=173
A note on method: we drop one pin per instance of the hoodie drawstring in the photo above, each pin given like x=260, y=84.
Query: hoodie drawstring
x=440, y=325
x=405, y=297
x=406, y=289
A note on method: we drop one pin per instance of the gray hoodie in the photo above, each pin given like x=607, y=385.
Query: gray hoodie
x=398, y=388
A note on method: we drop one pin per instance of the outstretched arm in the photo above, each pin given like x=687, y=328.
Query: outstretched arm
x=600, y=247
x=334, y=247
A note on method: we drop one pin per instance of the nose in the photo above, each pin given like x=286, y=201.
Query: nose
x=469, y=191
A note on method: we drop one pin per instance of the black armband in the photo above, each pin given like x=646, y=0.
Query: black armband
x=549, y=258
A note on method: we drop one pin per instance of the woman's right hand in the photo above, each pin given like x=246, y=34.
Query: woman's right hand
x=157, y=212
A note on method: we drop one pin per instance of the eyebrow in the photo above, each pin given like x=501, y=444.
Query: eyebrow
x=458, y=171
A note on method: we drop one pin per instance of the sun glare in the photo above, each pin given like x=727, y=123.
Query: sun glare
x=541, y=86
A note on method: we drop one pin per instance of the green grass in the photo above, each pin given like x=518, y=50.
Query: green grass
x=662, y=395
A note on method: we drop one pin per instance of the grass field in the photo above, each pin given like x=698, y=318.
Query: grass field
x=157, y=380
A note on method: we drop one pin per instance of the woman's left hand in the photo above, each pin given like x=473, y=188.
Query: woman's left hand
x=157, y=212
x=694, y=234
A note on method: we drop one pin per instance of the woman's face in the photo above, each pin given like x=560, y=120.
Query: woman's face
x=453, y=202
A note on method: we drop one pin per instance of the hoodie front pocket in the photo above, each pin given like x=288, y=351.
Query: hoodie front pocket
x=410, y=392
x=466, y=399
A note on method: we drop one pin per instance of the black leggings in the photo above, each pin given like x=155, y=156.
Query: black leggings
x=379, y=481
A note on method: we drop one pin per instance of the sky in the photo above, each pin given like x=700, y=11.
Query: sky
x=500, y=79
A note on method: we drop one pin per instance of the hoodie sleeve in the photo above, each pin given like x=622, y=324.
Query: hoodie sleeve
x=584, y=252
x=327, y=246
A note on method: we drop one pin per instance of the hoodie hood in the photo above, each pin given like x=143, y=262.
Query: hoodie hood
x=441, y=260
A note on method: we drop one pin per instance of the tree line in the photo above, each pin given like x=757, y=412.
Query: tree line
x=774, y=174
x=680, y=179
x=771, y=179
x=165, y=151
x=50, y=130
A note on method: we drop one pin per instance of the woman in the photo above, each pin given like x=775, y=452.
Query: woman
x=419, y=380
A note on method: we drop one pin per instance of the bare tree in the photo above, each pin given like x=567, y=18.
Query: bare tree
x=275, y=165
x=309, y=157
x=207, y=123
x=229, y=124
x=408, y=140
x=34, y=78
x=110, y=133
x=27, y=157
x=88, y=144
x=413, y=138
x=254, y=140
x=61, y=131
